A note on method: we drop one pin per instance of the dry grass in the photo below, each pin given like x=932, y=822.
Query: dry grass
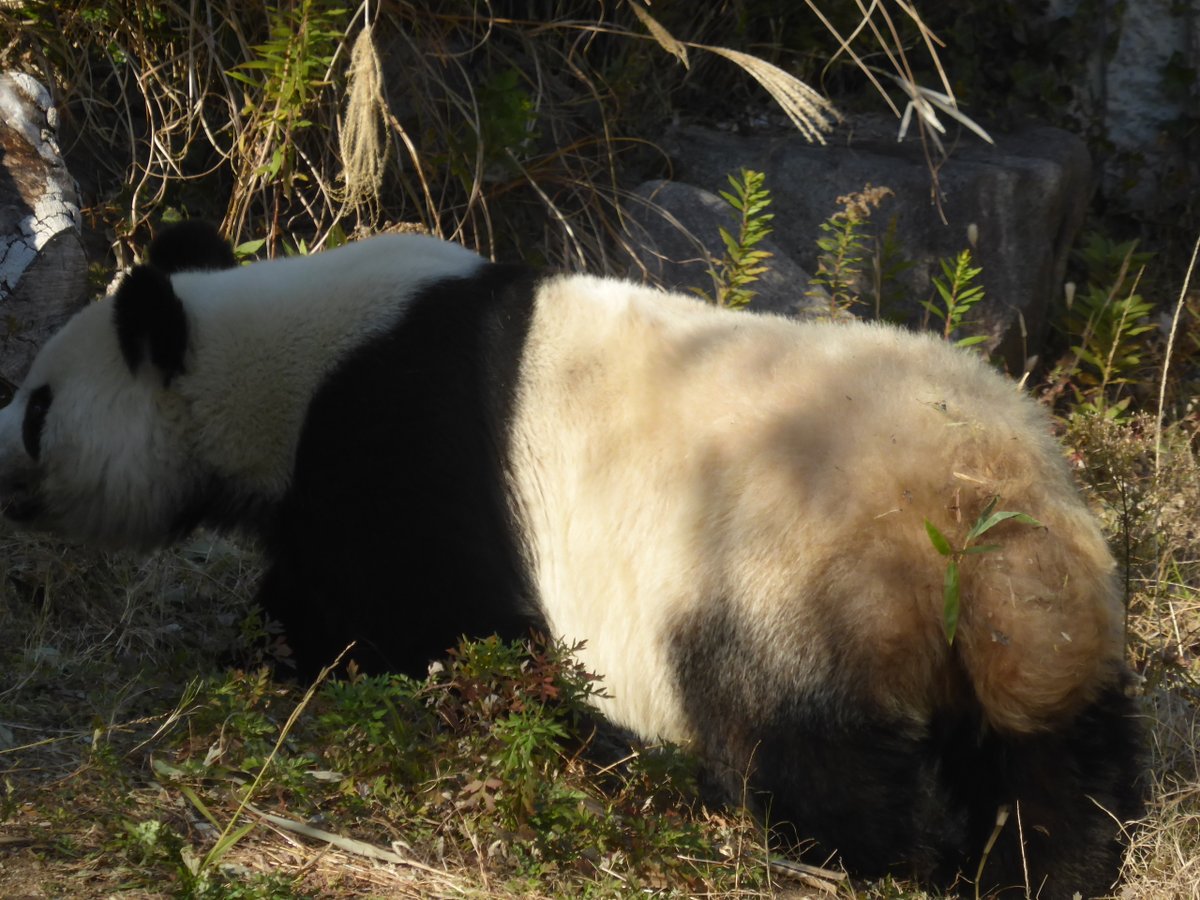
x=1154, y=523
x=84, y=630
x=516, y=136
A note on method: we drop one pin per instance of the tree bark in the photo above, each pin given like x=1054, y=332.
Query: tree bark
x=43, y=267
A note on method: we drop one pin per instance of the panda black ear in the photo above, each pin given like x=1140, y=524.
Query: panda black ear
x=189, y=247
x=150, y=321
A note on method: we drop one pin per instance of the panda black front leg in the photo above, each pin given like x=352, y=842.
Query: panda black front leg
x=396, y=531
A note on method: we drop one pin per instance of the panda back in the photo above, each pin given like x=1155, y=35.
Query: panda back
x=690, y=474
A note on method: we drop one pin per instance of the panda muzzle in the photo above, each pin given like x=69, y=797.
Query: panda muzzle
x=19, y=502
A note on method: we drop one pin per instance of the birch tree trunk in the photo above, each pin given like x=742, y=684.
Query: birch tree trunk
x=43, y=268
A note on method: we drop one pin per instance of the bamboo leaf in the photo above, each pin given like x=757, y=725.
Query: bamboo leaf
x=195, y=800
x=249, y=248
x=950, y=602
x=984, y=525
x=933, y=309
x=166, y=769
x=239, y=76
x=940, y=544
x=731, y=245
x=228, y=842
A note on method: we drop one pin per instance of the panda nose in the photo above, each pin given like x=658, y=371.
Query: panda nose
x=20, y=509
x=18, y=501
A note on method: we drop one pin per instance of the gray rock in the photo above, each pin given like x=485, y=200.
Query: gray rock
x=1026, y=198
x=675, y=239
x=1122, y=93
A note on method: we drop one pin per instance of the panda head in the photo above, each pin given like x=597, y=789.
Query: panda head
x=91, y=445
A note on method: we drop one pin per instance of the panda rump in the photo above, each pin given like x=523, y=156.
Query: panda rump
x=727, y=508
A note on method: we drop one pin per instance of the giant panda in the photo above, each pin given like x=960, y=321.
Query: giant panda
x=727, y=508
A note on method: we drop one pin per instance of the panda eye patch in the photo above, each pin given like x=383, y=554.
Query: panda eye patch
x=35, y=419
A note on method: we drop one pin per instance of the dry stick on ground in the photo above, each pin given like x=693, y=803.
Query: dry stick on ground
x=225, y=838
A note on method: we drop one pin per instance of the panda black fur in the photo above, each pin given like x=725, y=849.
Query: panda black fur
x=190, y=246
x=728, y=508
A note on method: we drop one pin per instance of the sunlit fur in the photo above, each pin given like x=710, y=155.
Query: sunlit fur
x=674, y=457
x=727, y=508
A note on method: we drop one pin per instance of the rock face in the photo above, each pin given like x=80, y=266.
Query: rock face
x=43, y=268
x=1026, y=198
x=675, y=231
x=1137, y=88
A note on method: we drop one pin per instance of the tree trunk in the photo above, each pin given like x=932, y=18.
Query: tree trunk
x=43, y=268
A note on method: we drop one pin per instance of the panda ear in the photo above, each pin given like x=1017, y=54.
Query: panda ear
x=190, y=246
x=150, y=321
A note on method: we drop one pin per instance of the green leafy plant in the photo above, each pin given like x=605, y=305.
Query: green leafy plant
x=959, y=293
x=153, y=844
x=889, y=265
x=989, y=518
x=1106, y=323
x=507, y=128
x=149, y=841
x=201, y=871
x=283, y=80
x=742, y=263
x=845, y=246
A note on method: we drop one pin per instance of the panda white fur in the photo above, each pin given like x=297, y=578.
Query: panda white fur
x=727, y=507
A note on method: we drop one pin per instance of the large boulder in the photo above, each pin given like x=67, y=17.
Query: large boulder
x=1025, y=198
x=676, y=239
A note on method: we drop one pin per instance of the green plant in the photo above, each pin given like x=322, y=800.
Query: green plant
x=152, y=844
x=988, y=519
x=507, y=126
x=286, y=75
x=844, y=247
x=527, y=740
x=889, y=265
x=379, y=723
x=742, y=264
x=201, y=869
x=148, y=841
x=1105, y=323
x=959, y=294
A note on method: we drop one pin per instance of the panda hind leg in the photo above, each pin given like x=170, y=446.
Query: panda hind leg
x=924, y=805
x=1070, y=793
x=866, y=793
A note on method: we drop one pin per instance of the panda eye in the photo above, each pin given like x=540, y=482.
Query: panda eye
x=35, y=419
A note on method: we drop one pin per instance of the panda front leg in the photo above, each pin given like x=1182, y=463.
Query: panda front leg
x=313, y=633
x=335, y=613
